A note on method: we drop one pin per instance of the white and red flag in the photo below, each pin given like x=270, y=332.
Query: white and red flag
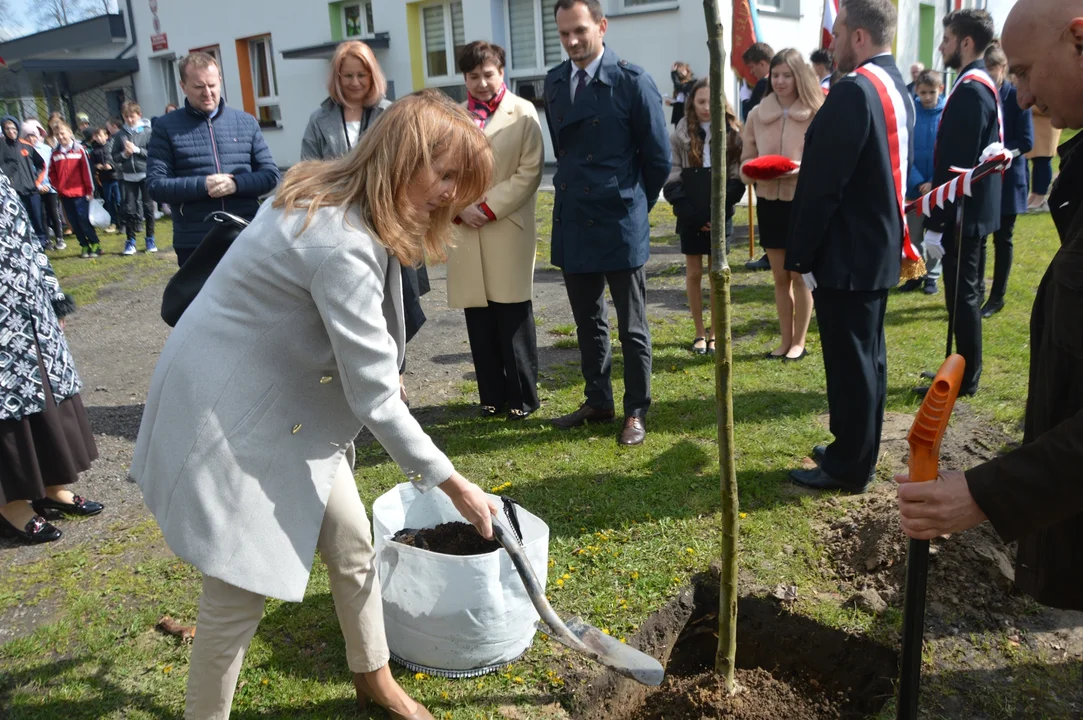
x=831, y=11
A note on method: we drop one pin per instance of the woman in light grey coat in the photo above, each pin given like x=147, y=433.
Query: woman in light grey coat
x=244, y=453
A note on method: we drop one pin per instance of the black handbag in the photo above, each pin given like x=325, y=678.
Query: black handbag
x=186, y=284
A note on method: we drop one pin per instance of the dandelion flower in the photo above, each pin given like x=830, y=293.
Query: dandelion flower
x=742, y=515
x=420, y=676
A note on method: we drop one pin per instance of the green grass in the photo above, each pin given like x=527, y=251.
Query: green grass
x=85, y=279
x=628, y=526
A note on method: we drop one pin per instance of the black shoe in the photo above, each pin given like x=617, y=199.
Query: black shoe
x=36, y=531
x=584, y=414
x=772, y=356
x=818, y=453
x=931, y=288
x=817, y=479
x=82, y=507
x=487, y=411
x=699, y=350
x=802, y=356
x=991, y=308
x=928, y=375
x=517, y=414
x=911, y=285
x=923, y=390
x=762, y=264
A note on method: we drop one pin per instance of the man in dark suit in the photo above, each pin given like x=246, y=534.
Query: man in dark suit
x=757, y=58
x=971, y=122
x=1034, y=494
x=609, y=133
x=848, y=234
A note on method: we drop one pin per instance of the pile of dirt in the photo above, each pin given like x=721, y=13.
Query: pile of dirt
x=761, y=697
x=453, y=538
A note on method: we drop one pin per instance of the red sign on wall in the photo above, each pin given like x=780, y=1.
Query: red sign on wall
x=159, y=42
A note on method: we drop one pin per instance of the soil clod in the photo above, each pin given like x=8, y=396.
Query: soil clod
x=453, y=538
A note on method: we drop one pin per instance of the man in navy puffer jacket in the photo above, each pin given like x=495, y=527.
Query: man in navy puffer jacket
x=206, y=157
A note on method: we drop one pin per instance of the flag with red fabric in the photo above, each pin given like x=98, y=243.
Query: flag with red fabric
x=831, y=11
x=745, y=32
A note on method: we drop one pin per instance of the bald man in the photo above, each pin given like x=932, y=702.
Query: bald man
x=1035, y=494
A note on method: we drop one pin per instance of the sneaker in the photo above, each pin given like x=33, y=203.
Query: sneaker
x=96, y=250
x=129, y=247
x=930, y=287
x=111, y=230
x=85, y=254
x=61, y=245
x=151, y=247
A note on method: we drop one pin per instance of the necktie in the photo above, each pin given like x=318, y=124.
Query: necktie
x=581, y=85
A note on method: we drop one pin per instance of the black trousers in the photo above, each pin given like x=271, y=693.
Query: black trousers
x=855, y=361
x=504, y=345
x=32, y=203
x=586, y=293
x=51, y=203
x=964, y=261
x=1003, y=249
x=138, y=207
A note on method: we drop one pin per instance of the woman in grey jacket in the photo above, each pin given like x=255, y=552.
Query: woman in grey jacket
x=357, y=89
x=245, y=449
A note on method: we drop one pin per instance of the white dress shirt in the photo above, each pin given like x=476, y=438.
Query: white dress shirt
x=592, y=70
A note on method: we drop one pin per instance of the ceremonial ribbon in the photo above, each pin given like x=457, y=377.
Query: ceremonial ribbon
x=996, y=158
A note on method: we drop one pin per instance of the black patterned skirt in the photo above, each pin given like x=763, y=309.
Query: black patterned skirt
x=45, y=449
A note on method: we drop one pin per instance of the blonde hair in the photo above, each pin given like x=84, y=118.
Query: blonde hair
x=378, y=173
x=808, y=87
x=362, y=52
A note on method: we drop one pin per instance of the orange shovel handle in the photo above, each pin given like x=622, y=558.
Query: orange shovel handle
x=931, y=421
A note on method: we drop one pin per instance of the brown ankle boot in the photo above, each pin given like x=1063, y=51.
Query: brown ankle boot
x=364, y=695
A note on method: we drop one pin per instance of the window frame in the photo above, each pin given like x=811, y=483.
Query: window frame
x=540, y=67
x=627, y=7
x=271, y=102
x=786, y=8
x=452, y=77
x=367, y=30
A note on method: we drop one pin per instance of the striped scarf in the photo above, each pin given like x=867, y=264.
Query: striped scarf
x=483, y=110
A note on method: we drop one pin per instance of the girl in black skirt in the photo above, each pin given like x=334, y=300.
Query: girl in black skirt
x=688, y=188
x=45, y=438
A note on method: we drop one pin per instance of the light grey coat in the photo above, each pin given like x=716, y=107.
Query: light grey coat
x=325, y=136
x=292, y=345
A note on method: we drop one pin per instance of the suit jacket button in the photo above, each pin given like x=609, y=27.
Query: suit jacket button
x=590, y=157
x=560, y=118
x=563, y=186
x=586, y=190
x=596, y=122
x=563, y=153
x=325, y=379
x=296, y=428
x=590, y=223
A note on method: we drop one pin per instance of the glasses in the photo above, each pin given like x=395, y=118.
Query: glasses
x=351, y=77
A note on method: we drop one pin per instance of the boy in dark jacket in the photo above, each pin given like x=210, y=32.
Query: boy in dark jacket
x=26, y=171
x=926, y=121
x=130, y=158
x=101, y=161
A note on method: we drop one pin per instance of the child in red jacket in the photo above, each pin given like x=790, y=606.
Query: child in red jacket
x=69, y=173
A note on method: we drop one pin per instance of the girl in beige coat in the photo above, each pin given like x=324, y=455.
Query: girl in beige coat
x=777, y=126
x=490, y=270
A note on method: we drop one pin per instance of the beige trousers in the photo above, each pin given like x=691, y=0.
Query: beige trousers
x=228, y=615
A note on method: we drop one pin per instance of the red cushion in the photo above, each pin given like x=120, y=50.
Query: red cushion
x=769, y=167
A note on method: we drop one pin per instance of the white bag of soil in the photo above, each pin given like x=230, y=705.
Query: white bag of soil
x=450, y=615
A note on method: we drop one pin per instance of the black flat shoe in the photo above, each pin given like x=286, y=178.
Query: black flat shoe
x=802, y=356
x=699, y=350
x=710, y=346
x=37, y=531
x=487, y=411
x=516, y=414
x=817, y=479
x=772, y=356
x=82, y=507
x=992, y=308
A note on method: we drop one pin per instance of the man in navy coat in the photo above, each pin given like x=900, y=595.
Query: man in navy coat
x=609, y=133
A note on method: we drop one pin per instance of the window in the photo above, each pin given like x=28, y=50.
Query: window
x=357, y=19
x=532, y=28
x=791, y=8
x=642, y=3
x=168, y=68
x=215, y=51
x=264, y=80
x=443, y=35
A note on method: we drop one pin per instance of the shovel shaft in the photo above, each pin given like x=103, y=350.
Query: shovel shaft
x=917, y=573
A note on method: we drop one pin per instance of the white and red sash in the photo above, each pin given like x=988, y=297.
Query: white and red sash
x=980, y=76
x=898, y=141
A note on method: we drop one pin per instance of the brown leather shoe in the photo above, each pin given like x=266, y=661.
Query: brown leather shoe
x=364, y=695
x=584, y=414
x=634, y=432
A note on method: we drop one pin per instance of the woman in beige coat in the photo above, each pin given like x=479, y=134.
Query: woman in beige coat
x=245, y=451
x=490, y=270
x=777, y=126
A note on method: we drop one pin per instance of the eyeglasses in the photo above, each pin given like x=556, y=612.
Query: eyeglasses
x=350, y=77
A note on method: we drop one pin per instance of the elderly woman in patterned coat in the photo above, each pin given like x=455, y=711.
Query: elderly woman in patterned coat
x=45, y=438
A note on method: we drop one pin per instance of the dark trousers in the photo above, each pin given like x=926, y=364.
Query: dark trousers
x=32, y=202
x=964, y=261
x=51, y=202
x=855, y=362
x=504, y=345
x=78, y=211
x=138, y=207
x=1041, y=175
x=112, y=198
x=183, y=254
x=1003, y=249
x=586, y=293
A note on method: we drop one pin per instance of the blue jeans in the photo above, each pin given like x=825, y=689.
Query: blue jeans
x=1041, y=176
x=78, y=211
x=111, y=198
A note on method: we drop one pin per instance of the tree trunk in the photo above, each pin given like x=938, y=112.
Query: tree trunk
x=720, y=315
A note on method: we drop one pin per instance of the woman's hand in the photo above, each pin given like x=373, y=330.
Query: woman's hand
x=474, y=217
x=471, y=503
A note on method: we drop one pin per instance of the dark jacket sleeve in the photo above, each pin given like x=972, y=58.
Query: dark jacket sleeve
x=265, y=174
x=649, y=125
x=833, y=146
x=1023, y=137
x=958, y=143
x=163, y=184
x=1034, y=486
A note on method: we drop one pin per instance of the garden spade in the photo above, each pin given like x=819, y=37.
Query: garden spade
x=576, y=634
x=925, y=435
